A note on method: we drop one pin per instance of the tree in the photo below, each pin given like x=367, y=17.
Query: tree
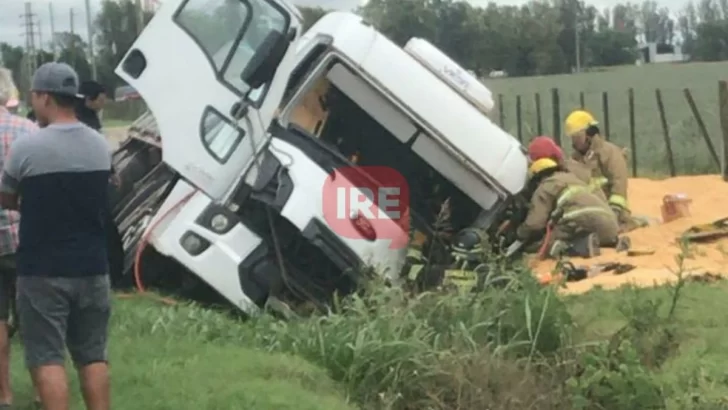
x=73, y=52
x=536, y=38
x=117, y=26
x=710, y=43
x=311, y=15
x=12, y=58
x=610, y=48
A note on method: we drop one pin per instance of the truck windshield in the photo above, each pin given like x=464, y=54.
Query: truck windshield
x=230, y=31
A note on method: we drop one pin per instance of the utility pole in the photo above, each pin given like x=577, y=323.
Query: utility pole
x=29, y=23
x=89, y=28
x=40, y=35
x=140, y=16
x=72, y=40
x=54, y=48
x=577, y=39
x=578, y=47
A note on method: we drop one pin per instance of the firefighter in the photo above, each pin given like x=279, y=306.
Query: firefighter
x=545, y=147
x=606, y=161
x=577, y=222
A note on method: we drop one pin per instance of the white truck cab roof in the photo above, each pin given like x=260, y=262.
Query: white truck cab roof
x=457, y=120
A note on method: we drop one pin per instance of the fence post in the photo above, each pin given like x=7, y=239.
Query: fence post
x=665, y=133
x=723, y=109
x=632, y=139
x=701, y=126
x=556, y=114
x=501, y=114
x=539, y=123
x=605, y=109
x=581, y=100
x=519, y=123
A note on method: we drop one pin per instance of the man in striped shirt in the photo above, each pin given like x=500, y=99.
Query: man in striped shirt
x=11, y=128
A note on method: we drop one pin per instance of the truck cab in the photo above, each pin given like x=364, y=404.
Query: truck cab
x=236, y=202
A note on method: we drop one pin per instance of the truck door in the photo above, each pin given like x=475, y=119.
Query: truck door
x=192, y=65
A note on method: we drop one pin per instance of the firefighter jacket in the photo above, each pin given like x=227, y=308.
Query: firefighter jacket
x=580, y=170
x=608, y=165
x=567, y=202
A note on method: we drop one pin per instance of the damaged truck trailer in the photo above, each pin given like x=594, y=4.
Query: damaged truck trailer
x=222, y=181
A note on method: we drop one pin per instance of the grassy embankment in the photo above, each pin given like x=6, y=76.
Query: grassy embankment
x=514, y=348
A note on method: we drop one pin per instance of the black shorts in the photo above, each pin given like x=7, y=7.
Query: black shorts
x=55, y=313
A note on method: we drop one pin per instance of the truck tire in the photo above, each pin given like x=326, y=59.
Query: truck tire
x=130, y=170
x=133, y=224
x=157, y=178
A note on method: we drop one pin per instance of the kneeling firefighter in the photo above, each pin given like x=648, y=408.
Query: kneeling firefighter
x=576, y=221
x=545, y=147
x=606, y=161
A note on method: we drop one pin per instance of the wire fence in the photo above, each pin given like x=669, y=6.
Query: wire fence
x=666, y=132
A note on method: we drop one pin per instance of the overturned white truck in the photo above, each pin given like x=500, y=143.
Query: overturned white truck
x=222, y=181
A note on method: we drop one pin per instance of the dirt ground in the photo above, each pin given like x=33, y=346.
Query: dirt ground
x=709, y=196
x=115, y=135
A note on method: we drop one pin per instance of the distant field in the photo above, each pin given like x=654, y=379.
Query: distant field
x=691, y=153
x=114, y=123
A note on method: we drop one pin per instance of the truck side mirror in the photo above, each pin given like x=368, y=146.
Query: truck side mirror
x=266, y=59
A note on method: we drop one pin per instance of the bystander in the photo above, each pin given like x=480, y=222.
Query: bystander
x=63, y=296
x=12, y=127
x=92, y=98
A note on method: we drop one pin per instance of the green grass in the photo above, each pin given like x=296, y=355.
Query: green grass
x=153, y=371
x=691, y=153
x=112, y=123
x=516, y=347
x=695, y=375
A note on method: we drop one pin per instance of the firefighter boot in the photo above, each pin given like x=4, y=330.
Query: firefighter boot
x=623, y=244
x=586, y=246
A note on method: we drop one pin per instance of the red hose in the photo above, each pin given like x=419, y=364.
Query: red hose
x=546, y=239
x=145, y=241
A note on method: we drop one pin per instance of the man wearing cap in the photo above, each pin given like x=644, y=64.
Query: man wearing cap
x=606, y=161
x=58, y=181
x=12, y=127
x=92, y=97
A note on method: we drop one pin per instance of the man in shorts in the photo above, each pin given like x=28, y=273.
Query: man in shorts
x=58, y=180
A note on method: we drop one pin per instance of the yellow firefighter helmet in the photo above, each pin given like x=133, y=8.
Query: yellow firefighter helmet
x=577, y=121
x=541, y=165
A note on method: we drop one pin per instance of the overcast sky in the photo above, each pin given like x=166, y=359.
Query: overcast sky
x=11, y=29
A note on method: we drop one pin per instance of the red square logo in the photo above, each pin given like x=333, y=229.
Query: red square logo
x=368, y=203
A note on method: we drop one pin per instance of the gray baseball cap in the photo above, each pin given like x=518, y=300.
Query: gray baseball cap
x=56, y=78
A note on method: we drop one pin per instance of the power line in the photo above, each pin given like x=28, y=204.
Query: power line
x=54, y=48
x=29, y=23
x=40, y=35
x=90, y=33
x=72, y=38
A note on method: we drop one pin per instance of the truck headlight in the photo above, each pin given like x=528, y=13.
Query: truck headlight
x=193, y=243
x=219, y=223
x=218, y=219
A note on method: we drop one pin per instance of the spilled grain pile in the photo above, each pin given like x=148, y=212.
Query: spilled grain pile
x=709, y=196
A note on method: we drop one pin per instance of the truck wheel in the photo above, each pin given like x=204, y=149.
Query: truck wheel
x=139, y=196
x=130, y=170
x=132, y=225
x=131, y=240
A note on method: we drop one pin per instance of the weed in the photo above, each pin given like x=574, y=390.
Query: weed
x=515, y=346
